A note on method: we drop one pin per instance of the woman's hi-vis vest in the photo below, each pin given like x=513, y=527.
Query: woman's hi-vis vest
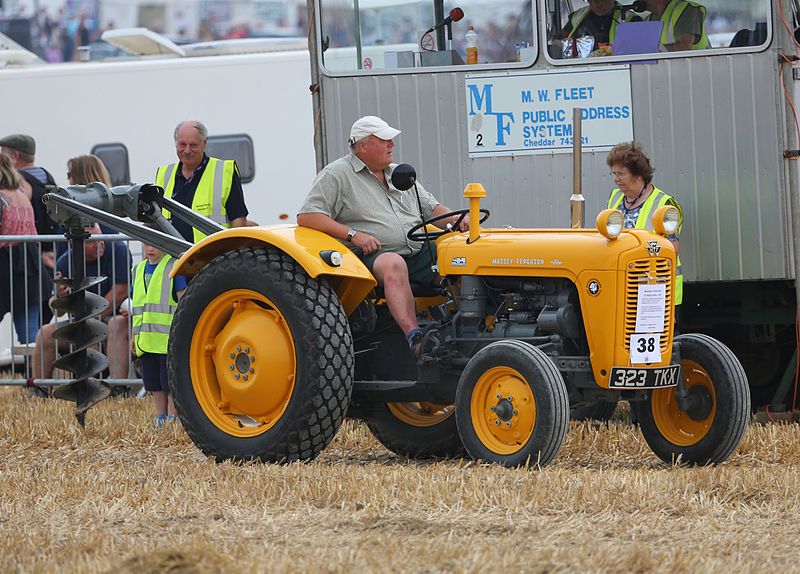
x=657, y=199
x=153, y=307
x=212, y=191
x=581, y=14
x=670, y=18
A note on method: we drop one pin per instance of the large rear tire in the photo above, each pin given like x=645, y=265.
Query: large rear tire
x=417, y=430
x=711, y=430
x=261, y=359
x=512, y=406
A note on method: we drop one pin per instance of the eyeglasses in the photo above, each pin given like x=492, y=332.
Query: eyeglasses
x=619, y=174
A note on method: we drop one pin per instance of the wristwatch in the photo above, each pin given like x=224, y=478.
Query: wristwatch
x=351, y=234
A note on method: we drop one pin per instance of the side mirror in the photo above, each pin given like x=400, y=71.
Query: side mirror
x=403, y=177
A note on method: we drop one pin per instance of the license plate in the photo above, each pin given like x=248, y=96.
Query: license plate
x=632, y=378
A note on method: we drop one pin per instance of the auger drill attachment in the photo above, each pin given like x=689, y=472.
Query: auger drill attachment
x=77, y=207
x=82, y=331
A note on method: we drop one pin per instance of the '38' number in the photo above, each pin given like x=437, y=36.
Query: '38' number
x=646, y=345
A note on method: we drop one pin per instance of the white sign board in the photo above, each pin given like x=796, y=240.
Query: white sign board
x=650, y=307
x=516, y=113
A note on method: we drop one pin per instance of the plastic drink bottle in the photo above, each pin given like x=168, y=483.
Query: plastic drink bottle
x=472, y=45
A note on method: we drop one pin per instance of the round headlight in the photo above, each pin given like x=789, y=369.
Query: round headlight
x=336, y=258
x=666, y=220
x=609, y=223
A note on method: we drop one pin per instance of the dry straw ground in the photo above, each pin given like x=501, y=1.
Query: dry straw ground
x=121, y=497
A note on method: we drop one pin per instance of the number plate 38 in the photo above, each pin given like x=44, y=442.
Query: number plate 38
x=633, y=378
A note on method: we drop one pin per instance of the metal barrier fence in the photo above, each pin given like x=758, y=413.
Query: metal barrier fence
x=27, y=348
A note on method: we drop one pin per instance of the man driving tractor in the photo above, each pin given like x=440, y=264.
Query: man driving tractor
x=353, y=200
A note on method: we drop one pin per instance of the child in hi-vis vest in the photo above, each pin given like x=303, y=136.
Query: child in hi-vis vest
x=154, y=298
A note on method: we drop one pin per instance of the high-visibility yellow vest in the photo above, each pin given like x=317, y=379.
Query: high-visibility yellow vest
x=670, y=19
x=153, y=307
x=578, y=16
x=212, y=191
x=657, y=199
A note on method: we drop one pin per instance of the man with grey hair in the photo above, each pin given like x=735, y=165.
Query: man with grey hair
x=353, y=200
x=208, y=185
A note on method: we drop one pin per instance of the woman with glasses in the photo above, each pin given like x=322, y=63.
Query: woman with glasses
x=637, y=198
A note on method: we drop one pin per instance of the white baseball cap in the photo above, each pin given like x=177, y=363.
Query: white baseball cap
x=371, y=126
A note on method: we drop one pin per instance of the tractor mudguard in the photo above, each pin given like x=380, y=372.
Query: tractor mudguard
x=351, y=280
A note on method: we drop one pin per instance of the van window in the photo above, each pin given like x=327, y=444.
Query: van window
x=577, y=30
x=115, y=158
x=392, y=34
x=238, y=147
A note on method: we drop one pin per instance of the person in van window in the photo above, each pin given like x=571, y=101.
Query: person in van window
x=352, y=199
x=599, y=20
x=684, y=24
x=208, y=185
x=19, y=262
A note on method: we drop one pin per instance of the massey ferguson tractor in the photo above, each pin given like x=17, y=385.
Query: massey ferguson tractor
x=283, y=332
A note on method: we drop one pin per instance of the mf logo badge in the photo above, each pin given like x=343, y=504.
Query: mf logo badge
x=593, y=287
x=458, y=262
x=653, y=248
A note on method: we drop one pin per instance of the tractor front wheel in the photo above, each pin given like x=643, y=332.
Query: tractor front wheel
x=512, y=406
x=710, y=430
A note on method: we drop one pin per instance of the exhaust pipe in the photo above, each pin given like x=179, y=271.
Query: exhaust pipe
x=577, y=203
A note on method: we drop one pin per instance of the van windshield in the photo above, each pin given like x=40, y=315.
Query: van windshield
x=385, y=34
x=578, y=29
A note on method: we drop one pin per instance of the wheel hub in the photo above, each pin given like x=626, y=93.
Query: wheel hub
x=700, y=403
x=242, y=361
x=504, y=410
x=250, y=332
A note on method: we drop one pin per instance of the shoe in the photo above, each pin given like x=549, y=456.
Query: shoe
x=424, y=345
x=160, y=420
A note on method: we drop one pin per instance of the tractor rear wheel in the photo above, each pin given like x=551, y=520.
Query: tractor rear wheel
x=260, y=359
x=417, y=430
x=712, y=428
x=512, y=406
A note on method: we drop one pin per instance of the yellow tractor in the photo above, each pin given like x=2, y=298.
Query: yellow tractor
x=282, y=333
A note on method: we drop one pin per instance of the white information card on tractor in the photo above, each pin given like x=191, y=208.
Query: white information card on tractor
x=645, y=348
x=650, y=308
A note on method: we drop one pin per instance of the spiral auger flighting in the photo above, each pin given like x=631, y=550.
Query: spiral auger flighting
x=82, y=332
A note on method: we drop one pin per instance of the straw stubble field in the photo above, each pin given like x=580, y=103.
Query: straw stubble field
x=122, y=497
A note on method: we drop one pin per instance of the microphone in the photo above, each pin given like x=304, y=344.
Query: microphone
x=455, y=15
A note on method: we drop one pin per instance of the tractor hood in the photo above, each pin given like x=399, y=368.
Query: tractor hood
x=551, y=252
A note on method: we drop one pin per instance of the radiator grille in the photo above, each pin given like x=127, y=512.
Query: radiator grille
x=648, y=272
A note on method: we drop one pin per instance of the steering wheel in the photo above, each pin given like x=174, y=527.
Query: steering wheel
x=426, y=235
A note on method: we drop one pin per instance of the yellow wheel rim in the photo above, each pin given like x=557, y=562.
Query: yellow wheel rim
x=421, y=414
x=676, y=425
x=242, y=363
x=503, y=410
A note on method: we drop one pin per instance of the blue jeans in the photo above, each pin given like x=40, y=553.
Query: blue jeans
x=27, y=324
